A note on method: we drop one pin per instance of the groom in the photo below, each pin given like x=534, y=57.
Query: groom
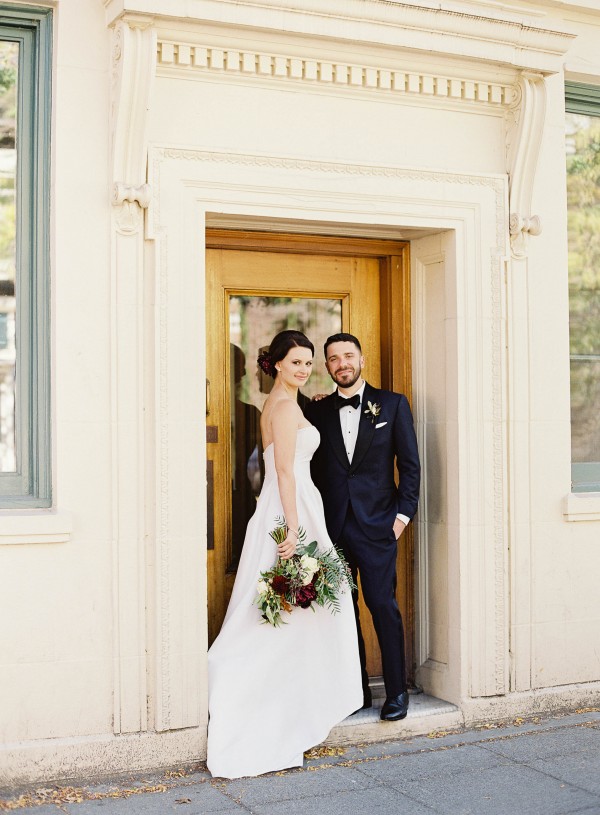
x=365, y=432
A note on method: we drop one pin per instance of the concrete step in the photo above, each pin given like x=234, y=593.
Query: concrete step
x=426, y=714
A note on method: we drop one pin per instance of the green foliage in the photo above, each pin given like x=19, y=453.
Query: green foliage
x=8, y=78
x=583, y=196
x=308, y=577
x=7, y=232
x=9, y=54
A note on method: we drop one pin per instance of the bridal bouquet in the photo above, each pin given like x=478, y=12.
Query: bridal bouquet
x=307, y=577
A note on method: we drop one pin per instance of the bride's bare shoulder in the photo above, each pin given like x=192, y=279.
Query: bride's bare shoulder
x=282, y=410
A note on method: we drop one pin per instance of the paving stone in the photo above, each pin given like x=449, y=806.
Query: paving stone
x=498, y=791
x=295, y=785
x=377, y=801
x=203, y=798
x=579, y=769
x=546, y=744
x=440, y=763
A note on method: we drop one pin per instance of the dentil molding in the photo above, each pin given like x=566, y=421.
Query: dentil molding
x=190, y=59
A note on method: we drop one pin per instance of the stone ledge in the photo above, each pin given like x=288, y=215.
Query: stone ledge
x=36, y=526
x=582, y=506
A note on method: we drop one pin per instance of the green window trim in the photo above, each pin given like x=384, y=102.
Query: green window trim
x=582, y=98
x=30, y=486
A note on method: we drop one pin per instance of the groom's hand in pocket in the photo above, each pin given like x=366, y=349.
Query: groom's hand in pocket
x=399, y=527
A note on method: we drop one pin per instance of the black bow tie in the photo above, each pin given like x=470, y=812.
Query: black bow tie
x=340, y=402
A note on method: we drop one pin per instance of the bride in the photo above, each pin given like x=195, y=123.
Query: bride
x=275, y=692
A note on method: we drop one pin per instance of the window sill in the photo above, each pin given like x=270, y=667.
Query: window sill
x=37, y=526
x=582, y=506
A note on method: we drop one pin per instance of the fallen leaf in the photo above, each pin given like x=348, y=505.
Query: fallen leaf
x=320, y=752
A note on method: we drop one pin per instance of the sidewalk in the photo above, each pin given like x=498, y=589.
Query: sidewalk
x=545, y=766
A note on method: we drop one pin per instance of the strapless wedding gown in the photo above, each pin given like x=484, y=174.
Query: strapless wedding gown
x=276, y=692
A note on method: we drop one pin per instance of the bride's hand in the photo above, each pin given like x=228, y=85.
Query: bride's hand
x=318, y=396
x=287, y=548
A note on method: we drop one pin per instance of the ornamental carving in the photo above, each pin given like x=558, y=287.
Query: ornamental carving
x=205, y=60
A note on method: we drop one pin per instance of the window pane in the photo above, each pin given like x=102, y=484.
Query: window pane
x=253, y=322
x=583, y=190
x=9, y=54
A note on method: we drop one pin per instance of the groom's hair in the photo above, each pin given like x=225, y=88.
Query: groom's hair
x=341, y=337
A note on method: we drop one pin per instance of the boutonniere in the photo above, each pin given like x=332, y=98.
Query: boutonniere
x=373, y=410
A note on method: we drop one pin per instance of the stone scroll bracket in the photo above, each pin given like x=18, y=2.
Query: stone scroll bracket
x=525, y=123
x=133, y=71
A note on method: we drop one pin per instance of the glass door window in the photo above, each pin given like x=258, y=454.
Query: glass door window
x=253, y=322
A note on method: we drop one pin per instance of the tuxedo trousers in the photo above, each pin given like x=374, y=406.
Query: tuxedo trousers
x=375, y=562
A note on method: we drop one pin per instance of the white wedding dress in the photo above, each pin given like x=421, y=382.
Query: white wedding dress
x=276, y=692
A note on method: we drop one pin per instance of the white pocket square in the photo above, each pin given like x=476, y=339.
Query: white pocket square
x=381, y=424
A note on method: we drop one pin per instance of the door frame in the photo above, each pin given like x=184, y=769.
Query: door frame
x=395, y=324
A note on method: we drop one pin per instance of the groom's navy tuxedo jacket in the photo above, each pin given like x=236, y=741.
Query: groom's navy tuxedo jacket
x=367, y=484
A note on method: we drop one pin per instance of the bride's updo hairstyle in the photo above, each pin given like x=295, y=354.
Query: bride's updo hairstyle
x=279, y=348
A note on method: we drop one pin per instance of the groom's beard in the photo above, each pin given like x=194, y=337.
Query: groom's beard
x=343, y=378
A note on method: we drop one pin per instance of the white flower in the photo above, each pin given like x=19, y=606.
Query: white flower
x=262, y=587
x=373, y=410
x=309, y=566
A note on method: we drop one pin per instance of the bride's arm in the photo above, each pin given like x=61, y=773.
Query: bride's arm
x=284, y=426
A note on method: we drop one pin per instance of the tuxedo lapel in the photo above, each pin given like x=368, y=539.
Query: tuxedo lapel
x=334, y=434
x=366, y=428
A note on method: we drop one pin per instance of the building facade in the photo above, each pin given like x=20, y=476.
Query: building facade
x=193, y=175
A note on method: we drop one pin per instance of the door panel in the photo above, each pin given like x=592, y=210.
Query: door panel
x=251, y=295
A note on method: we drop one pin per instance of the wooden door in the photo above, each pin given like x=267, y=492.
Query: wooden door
x=256, y=286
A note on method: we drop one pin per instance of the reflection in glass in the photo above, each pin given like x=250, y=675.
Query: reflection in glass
x=9, y=54
x=583, y=191
x=253, y=322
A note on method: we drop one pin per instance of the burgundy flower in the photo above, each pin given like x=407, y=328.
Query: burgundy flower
x=280, y=584
x=305, y=595
x=266, y=363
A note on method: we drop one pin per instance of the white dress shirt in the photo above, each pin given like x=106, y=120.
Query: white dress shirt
x=349, y=422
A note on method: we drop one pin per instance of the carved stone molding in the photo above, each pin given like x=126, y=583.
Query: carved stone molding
x=506, y=36
x=122, y=193
x=133, y=69
x=160, y=154
x=212, y=176
x=525, y=124
x=190, y=59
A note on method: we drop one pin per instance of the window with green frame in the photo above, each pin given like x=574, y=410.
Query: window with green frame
x=583, y=196
x=25, y=104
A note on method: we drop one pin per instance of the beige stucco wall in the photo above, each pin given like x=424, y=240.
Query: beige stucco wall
x=104, y=617
x=56, y=679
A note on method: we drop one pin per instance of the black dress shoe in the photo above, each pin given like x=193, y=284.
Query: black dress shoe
x=395, y=708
